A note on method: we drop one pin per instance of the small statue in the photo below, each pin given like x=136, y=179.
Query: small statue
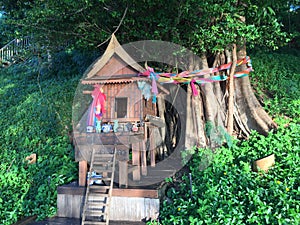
x=135, y=128
x=98, y=126
x=116, y=125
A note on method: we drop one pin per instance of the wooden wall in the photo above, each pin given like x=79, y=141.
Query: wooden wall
x=114, y=67
x=149, y=108
x=126, y=204
x=127, y=90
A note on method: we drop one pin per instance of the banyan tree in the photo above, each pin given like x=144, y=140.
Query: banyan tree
x=216, y=32
x=203, y=96
x=203, y=47
x=221, y=102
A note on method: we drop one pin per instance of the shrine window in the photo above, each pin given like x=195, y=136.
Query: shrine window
x=121, y=107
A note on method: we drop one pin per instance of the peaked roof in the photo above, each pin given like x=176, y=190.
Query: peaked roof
x=114, y=49
x=115, y=55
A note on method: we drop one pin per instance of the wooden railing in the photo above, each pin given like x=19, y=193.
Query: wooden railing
x=14, y=48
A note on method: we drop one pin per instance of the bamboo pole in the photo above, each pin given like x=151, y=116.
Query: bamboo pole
x=231, y=92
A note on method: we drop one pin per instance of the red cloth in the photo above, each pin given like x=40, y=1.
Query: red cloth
x=98, y=105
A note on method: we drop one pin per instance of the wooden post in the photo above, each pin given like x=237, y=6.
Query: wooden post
x=190, y=139
x=161, y=109
x=231, y=92
x=152, y=146
x=82, y=172
x=143, y=157
x=123, y=174
x=136, y=174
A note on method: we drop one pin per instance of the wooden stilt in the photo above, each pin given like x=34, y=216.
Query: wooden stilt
x=136, y=174
x=123, y=174
x=161, y=108
x=82, y=172
x=143, y=158
x=152, y=147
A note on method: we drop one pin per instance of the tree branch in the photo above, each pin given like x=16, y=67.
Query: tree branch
x=120, y=23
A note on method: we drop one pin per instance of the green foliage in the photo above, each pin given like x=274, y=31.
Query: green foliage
x=228, y=192
x=202, y=26
x=276, y=80
x=225, y=190
x=217, y=135
x=36, y=112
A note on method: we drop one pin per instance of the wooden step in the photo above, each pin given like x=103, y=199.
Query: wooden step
x=99, y=191
x=104, y=155
x=97, y=197
x=95, y=178
x=99, y=187
x=94, y=202
x=103, y=171
x=100, y=163
x=95, y=223
x=101, y=167
x=93, y=213
x=96, y=208
x=109, y=146
x=103, y=195
x=97, y=204
x=103, y=159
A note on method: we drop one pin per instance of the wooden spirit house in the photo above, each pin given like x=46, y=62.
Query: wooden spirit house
x=115, y=141
x=127, y=108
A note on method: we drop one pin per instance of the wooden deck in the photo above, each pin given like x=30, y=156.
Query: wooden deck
x=155, y=175
x=150, y=192
x=139, y=178
x=74, y=221
x=136, y=162
x=129, y=204
x=140, y=200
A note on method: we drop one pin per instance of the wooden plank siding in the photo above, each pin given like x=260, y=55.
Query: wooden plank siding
x=123, y=90
x=149, y=108
x=114, y=67
x=127, y=204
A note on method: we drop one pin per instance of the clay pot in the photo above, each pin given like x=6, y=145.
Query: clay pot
x=264, y=163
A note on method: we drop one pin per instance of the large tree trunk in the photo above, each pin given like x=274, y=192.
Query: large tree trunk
x=203, y=118
x=251, y=113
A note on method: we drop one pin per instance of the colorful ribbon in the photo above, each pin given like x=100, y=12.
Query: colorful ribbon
x=187, y=77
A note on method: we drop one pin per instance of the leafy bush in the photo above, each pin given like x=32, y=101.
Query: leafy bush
x=35, y=117
x=276, y=80
x=228, y=192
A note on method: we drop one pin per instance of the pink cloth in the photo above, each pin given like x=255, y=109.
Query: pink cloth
x=194, y=90
x=98, y=105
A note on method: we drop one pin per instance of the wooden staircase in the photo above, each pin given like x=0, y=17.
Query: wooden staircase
x=13, y=48
x=98, y=196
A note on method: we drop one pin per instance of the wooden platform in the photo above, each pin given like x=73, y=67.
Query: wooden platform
x=131, y=204
x=141, y=169
x=76, y=221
